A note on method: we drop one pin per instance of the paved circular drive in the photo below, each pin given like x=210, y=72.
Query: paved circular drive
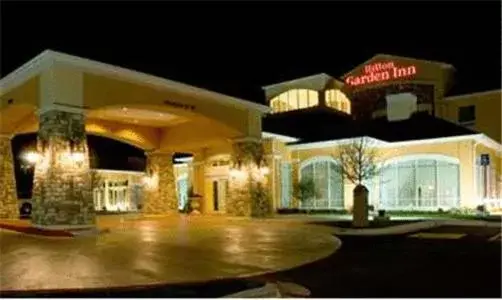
x=161, y=250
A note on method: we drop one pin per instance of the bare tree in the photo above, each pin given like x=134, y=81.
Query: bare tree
x=358, y=161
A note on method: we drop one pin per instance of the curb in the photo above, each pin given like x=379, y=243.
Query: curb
x=30, y=230
x=37, y=231
x=408, y=228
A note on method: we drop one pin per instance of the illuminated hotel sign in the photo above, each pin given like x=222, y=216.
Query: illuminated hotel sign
x=379, y=72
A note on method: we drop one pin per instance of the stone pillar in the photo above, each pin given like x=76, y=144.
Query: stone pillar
x=248, y=186
x=62, y=192
x=9, y=208
x=160, y=189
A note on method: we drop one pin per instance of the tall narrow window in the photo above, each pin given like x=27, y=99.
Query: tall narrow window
x=286, y=185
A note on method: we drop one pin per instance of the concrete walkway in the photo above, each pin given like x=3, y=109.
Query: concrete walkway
x=141, y=251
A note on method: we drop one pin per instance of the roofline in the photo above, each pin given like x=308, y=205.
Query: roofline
x=333, y=143
x=280, y=137
x=445, y=65
x=456, y=97
x=479, y=137
x=295, y=80
x=44, y=60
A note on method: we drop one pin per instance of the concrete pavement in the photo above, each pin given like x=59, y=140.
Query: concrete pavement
x=141, y=251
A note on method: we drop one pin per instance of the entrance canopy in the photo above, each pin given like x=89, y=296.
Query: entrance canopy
x=143, y=110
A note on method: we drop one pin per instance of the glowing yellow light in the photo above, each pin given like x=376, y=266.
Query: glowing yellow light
x=236, y=173
x=78, y=157
x=32, y=157
x=264, y=170
x=150, y=181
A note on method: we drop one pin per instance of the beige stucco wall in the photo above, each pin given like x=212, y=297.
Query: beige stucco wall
x=461, y=150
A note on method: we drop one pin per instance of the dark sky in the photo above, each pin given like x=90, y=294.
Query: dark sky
x=238, y=47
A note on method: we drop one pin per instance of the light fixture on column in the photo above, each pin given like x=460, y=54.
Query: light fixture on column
x=150, y=178
x=30, y=159
x=76, y=155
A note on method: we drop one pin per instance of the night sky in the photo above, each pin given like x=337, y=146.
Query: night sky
x=237, y=47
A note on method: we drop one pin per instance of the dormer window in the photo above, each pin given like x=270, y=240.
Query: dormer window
x=294, y=99
x=337, y=100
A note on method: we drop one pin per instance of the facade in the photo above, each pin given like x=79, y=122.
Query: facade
x=438, y=152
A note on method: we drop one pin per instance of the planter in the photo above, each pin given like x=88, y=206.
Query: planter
x=195, y=203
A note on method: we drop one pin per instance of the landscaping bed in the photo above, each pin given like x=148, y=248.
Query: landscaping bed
x=371, y=224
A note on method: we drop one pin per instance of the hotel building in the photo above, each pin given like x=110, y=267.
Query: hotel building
x=436, y=151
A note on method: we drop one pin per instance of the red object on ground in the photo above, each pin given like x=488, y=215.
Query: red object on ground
x=36, y=231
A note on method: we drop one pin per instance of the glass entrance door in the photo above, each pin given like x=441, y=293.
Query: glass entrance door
x=220, y=187
x=182, y=186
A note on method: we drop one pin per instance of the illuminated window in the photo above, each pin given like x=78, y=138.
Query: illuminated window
x=337, y=100
x=294, y=99
x=424, y=182
x=328, y=183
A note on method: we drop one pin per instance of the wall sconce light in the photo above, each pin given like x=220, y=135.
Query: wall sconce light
x=78, y=157
x=150, y=179
x=31, y=157
x=264, y=170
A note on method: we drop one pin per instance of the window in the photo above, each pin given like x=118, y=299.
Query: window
x=328, y=183
x=467, y=114
x=294, y=99
x=286, y=185
x=337, y=100
x=424, y=182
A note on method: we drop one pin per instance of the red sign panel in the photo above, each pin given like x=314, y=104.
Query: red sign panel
x=379, y=72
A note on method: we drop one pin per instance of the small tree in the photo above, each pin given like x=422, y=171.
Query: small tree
x=305, y=189
x=358, y=162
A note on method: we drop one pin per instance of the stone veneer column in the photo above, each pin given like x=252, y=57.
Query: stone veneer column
x=160, y=192
x=9, y=208
x=248, y=191
x=62, y=195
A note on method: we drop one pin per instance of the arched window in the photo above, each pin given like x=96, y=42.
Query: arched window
x=337, y=100
x=328, y=183
x=425, y=182
x=294, y=99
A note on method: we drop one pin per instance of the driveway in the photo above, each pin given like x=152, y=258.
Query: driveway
x=165, y=250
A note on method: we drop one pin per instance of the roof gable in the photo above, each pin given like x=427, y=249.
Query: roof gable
x=47, y=58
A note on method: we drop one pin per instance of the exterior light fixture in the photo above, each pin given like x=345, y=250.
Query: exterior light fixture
x=264, y=170
x=78, y=157
x=31, y=157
